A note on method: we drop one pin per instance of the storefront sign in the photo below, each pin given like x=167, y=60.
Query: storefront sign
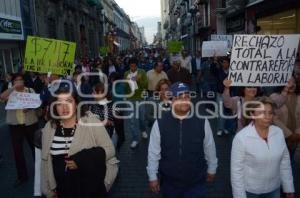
x=263, y=60
x=10, y=28
x=21, y=100
x=214, y=48
x=45, y=55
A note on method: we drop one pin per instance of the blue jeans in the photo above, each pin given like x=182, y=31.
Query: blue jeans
x=273, y=194
x=170, y=191
x=134, y=124
x=142, y=117
x=221, y=120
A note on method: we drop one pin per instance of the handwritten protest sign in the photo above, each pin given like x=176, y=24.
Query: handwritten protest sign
x=219, y=37
x=21, y=100
x=214, y=48
x=263, y=60
x=104, y=51
x=45, y=55
x=174, y=46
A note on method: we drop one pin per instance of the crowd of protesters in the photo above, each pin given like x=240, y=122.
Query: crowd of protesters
x=81, y=124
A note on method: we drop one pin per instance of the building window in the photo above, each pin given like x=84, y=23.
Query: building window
x=92, y=42
x=51, y=28
x=67, y=32
x=72, y=32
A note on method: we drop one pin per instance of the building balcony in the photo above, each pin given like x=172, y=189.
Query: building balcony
x=233, y=6
x=93, y=2
x=236, y=3
x=55, y=1
x=71, y=4
x=166, y=24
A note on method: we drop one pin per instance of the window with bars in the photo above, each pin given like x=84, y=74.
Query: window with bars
x=66, y=30
x=72, y=32
x=52, y=28
x=92, y=41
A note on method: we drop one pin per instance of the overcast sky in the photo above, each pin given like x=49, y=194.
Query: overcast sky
x=145, y=12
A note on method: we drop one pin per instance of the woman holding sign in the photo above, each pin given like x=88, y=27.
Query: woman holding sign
x=260, y=161
x=248, y=94
x=22, y=124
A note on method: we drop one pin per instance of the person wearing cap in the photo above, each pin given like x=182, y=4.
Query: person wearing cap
x=178, y=73
x=181, y=153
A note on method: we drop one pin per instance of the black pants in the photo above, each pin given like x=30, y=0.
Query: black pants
x=119, y=126
x=18, y=134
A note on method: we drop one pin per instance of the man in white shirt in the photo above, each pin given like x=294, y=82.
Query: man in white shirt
x=181, y=150
x=186, y=61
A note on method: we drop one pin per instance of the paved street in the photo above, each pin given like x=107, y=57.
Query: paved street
x=132, y=179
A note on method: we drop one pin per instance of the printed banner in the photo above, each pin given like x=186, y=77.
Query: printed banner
x=21, y=100
x=45, y=55
x=263, y=60
x=10, y=27
x=214, y=48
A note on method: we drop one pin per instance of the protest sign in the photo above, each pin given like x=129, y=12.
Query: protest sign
x=214, y=48
x=219, y=37
x=174, y=46
x=21, y=100
x=263, y=60
x=104, y=51
x=45, y=55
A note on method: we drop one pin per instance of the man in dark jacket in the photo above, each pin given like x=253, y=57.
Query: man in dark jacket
x=177, y=73
x=221, y=70
x=32, y=80
x=181, y=150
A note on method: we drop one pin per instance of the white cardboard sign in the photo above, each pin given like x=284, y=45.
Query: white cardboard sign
x=219, y=37
x=21, y=100
x=263, y=60
x=214, y=48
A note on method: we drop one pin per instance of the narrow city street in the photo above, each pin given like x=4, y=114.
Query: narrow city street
x=122, y=64
x=132, y=179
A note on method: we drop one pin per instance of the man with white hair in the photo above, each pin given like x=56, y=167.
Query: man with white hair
x=177, y=73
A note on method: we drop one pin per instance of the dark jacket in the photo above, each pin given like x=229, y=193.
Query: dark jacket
x=35, y=84
x=194, y=65
x=182, y=155
x=183, y=75
x=220, y=75
x=92, y=168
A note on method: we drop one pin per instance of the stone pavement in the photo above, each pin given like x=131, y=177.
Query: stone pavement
x=132, y=179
